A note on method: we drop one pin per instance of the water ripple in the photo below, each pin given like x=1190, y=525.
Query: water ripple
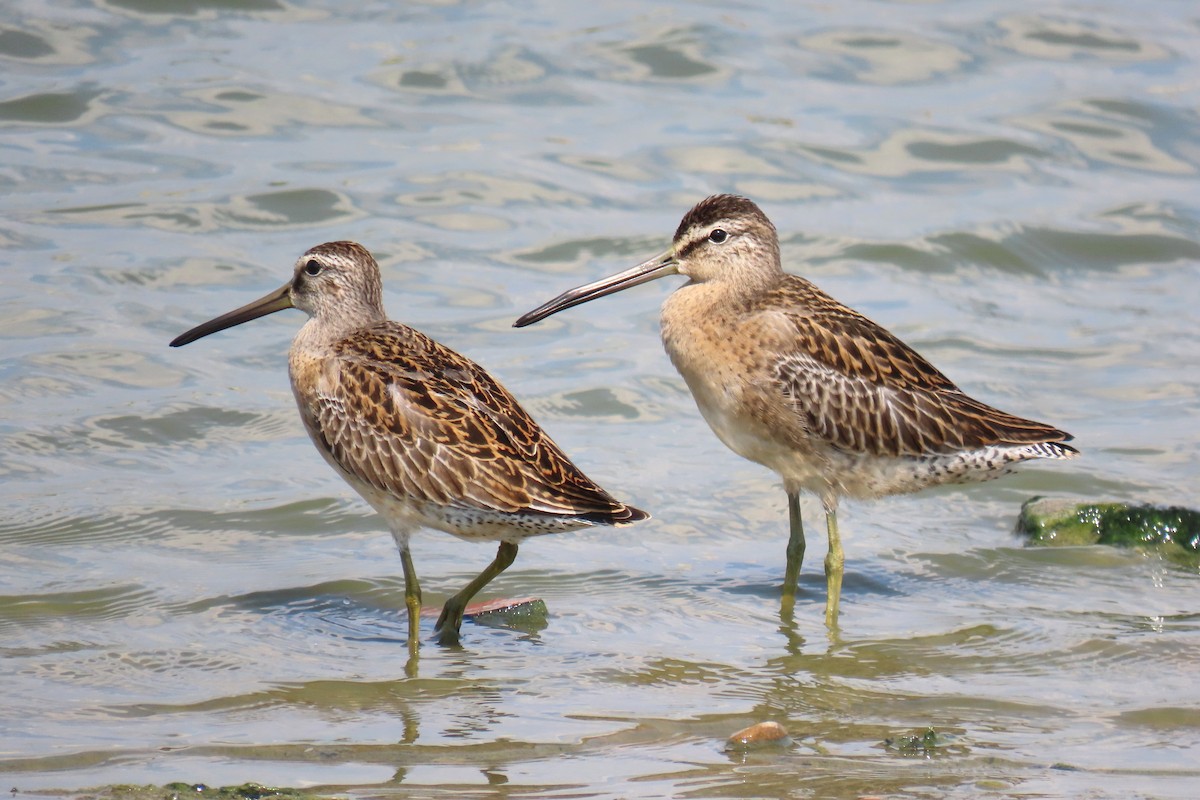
x=54, y=528
x=51, y=608
x=1062, y=39
x=883, y=57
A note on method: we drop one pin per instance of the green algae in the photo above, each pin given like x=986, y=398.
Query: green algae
x=924, y=744
x=1172, y=531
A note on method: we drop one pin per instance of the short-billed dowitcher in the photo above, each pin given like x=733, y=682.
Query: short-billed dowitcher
x=790, y=378
x=424, y=434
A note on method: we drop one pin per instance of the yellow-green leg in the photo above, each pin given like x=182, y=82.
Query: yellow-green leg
x=795, y=552
x=451, y=617
x=412, y=597
x=835, y=562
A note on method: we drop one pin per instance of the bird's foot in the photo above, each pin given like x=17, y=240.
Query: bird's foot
x=414, y=625
x=787, y=607
x=445, y=632
x=831, y=616
x=833, y=598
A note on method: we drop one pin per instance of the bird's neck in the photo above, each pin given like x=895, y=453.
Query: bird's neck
x=331, y=327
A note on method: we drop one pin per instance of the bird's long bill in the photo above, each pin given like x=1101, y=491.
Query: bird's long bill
x=660, y=265
x=277, y=300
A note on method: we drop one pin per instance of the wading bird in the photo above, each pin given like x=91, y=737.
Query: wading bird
x=790, y=378
x=425, y=435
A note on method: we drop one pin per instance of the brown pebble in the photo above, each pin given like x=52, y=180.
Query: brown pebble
x=764, y=733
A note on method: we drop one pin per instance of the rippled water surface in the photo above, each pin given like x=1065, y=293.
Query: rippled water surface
x=187, y=592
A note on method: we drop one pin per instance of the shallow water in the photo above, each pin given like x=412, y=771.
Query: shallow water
x=187, y=592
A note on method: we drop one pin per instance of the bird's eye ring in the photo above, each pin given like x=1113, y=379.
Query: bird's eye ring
x=313, y=267
x=717, y=235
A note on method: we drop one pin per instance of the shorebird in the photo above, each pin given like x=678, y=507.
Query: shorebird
x=790, y=378
x=425, y=435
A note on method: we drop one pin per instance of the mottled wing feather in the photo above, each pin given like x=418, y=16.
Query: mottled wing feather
x=858, y=387
x=412, y=417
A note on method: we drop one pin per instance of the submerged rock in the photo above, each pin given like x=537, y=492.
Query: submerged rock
x=522, y=614
x=507, y=608
x=762, y=734
x=1173, y=531
x=512, y=608
x=526, y=614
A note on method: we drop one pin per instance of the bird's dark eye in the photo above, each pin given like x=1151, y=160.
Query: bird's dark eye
x=717, y=236
x=313, y=267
